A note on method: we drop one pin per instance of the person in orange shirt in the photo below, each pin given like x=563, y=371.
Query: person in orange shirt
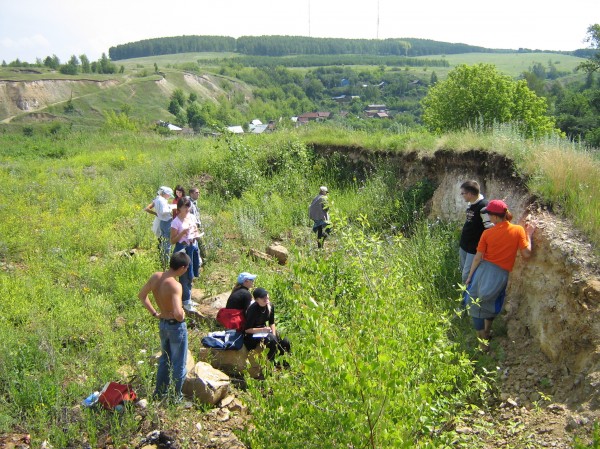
x=494, y=260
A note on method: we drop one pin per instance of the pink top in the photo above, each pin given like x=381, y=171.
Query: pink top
x=189, y=222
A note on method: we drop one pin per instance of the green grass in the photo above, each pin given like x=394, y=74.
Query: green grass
x=512, y=64
x=71, y=321
x=563, y=174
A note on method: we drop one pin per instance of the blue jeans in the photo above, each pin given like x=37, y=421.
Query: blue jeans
x=465, y=261
x=164, y=243
x=172, y=362
x=193, y=270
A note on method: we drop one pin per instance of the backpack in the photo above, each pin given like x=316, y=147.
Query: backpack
x=232, y=319
x=114, y=394
x=230, y=339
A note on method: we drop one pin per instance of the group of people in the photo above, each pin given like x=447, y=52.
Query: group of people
x=489, y=244
x=256, y=308
x=258, y=316
x=178, y=223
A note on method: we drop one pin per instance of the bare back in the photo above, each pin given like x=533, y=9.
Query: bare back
x=167, y=292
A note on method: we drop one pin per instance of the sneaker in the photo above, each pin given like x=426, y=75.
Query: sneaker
x=194, y=303
x=190, y=308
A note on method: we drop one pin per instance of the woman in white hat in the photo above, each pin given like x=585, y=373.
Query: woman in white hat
x=162, y=223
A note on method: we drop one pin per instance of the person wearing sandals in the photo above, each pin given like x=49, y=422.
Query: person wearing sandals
x=261, y=312
x=493, y=262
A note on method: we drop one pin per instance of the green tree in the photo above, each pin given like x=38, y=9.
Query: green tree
x=52, y=62
x=85, y=63
x=179, y=96
x=105, y=65
x=593, y=37
x=480, y=96
x=434, y=78
x=174, y=107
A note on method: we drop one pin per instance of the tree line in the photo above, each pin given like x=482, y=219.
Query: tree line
x=172, y=45
x=73, y=66
x=289, y=45
x=328, y=60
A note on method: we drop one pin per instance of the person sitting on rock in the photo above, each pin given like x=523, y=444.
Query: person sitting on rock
x=261, y=312
x=241, y=297
x=233, y=315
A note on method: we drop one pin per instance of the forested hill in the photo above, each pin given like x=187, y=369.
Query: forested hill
x=289, y=45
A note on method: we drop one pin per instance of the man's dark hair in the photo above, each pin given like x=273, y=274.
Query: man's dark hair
x=471, y=187
x=179, y=259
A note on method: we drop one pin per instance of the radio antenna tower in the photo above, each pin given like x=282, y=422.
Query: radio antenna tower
x=377, y=19
x=308, y=18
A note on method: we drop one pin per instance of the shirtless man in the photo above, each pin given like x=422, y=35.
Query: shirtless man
x=167, y=292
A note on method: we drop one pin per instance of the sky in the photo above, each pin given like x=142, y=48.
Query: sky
x=31, y=29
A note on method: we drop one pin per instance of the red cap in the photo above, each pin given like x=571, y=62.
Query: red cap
x=495, y=207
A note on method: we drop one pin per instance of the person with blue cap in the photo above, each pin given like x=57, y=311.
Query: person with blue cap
x=240, y=297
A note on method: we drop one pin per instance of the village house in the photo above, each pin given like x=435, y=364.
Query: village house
x=376, y=111
x=313, y=117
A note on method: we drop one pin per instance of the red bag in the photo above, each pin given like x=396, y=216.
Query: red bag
x=114, y=394
x=232, y=319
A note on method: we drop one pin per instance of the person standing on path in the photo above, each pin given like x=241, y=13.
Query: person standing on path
x=495, y=259
x=318, y=211
x=172, y=328
x=475, y=223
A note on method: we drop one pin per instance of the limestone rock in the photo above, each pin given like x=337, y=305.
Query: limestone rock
x=279, y=252
x=259, y=255
x=208, y=384
x=233, y=362
x=209, y=306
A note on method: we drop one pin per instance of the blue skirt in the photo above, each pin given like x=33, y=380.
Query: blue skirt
x=486, y=292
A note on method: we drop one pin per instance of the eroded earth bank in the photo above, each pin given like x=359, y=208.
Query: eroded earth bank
x=548, y=361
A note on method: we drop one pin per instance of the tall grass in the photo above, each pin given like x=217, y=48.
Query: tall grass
x=373, y=350
x=373, y=365
x=563, y=174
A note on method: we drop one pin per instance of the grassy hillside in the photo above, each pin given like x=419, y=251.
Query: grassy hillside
x=29, y=98
x=512, y=64
x=71, y=322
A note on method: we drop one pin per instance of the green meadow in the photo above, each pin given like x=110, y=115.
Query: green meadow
x=377, y=358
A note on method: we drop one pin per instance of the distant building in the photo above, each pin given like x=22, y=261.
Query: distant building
x=236, y=129
x=257, y=129
x=345, y=98
x=313, y=117
x=344, y=82
x=376, y=111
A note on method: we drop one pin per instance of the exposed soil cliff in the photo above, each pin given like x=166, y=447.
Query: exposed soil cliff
x=551, y=350
x=28, y=96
